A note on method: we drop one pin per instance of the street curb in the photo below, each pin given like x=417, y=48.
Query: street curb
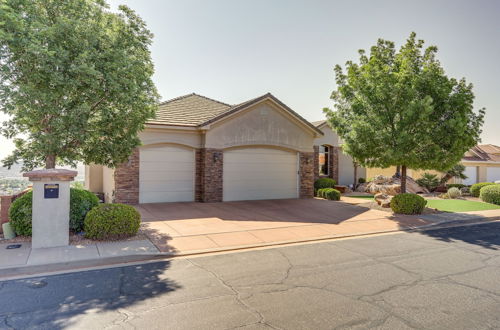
x=20, y=272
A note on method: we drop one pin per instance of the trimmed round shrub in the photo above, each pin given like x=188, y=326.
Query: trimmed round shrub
x=321, y=192
x=454, y=192
x=20, y=214
x=112, y=221
x=324, y=183
x=475, y=189
x=332, y=194
x=408, y=204
x=361, y=180
x=81, y=201
x=491, y=194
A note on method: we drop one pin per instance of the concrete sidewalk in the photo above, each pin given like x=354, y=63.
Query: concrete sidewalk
x=25, y=256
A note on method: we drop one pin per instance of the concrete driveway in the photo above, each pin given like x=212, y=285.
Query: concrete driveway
x=186, y=228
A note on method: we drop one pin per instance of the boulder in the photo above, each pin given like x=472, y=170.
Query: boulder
x=391, y=186
x=383, y=200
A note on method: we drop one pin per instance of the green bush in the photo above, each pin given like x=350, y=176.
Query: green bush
x=321, y=192
x=20, y=214
x=408, y=204
x=491, y=194
x=454, y=192
x=81, y=201
x=332, y=194
x=475, y=189
x=112, y=221
x=428, y=181
x=361, y=180
x=324, y=183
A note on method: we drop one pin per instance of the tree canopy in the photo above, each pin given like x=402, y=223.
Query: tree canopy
x=400, y=108
x=75, y=81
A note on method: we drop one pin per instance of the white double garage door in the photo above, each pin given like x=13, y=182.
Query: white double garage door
x=167, y=174
x=492, y=174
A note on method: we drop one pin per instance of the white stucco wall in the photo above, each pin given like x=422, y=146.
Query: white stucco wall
x=263, y=124
x=346, y=170
x=93, y=178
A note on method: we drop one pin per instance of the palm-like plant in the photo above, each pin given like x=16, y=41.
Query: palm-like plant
x=456, y=171
x=429, y=181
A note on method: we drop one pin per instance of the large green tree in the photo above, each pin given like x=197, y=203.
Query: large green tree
x=399, y=108
x=75, y=81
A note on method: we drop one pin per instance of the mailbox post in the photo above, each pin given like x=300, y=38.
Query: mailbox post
x=50, y=216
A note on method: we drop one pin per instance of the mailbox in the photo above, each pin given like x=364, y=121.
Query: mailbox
x=51, y=190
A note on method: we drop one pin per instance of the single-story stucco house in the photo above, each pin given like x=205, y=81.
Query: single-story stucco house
x=482, y=164
x=200, y=149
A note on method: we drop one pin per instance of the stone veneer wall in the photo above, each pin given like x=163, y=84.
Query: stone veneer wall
x=307, y=174
x=209, y=167
x=316, y=163
x=333, y=164
x=127, y=180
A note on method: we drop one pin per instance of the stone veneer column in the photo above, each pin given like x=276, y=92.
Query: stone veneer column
x=209, y=167
x=333, y=163
x=316, y=163
x=306, y=170
x=127, y=180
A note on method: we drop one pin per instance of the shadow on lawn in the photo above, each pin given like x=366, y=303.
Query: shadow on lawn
x=53, y=302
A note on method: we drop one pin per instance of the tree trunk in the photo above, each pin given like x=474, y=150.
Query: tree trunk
x=355, y=176
x=403, y=179
x=50, y=161
x=398, y=171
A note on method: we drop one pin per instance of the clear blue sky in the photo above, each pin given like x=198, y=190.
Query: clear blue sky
x=234, y=50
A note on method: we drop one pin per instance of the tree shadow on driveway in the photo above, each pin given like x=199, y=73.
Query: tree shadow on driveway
x=53, y=302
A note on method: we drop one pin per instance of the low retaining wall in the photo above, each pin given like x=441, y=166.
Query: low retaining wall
x=5, y=202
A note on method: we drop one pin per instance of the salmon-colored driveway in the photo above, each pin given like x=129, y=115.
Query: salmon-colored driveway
x=183, y=228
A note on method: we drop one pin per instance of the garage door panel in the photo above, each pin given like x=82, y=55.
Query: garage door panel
x=471, y=173
x=493, y=174
x=166, y=174
x=258, y=173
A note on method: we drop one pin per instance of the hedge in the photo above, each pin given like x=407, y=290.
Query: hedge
x=112, y=221
x=20, y=212
x=475, y=189
x=491, y=194
x=324, y=183
x=408, y=204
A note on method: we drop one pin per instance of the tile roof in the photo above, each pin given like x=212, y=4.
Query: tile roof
x=483, y=153
x=195, y=110
x=188, y=110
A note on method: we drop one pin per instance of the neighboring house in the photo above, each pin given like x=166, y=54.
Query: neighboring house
x=482, y=164
x=200, y=149
x=332, y=162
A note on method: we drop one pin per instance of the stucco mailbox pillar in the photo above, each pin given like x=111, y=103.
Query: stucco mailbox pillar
x=50, y=216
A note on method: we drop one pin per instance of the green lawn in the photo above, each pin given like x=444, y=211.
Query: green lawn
x=452, y=205
x=459, y=205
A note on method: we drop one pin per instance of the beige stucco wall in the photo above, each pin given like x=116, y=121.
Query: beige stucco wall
x=93, y=178
x=189, y=138
x=263, y=124
x=346, y=170
x=108, y=183
x=330, y=138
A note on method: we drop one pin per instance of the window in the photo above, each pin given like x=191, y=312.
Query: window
x=323, y=160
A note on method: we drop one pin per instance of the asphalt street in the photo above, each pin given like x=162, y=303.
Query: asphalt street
x=442, y=279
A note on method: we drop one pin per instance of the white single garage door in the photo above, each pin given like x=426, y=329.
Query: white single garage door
x=493, y=174
x=166, y=174
x=471, y=173
x=259, y=173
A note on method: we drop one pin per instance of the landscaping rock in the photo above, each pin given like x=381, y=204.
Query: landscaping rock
x=383, y=200
x=392, y=186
